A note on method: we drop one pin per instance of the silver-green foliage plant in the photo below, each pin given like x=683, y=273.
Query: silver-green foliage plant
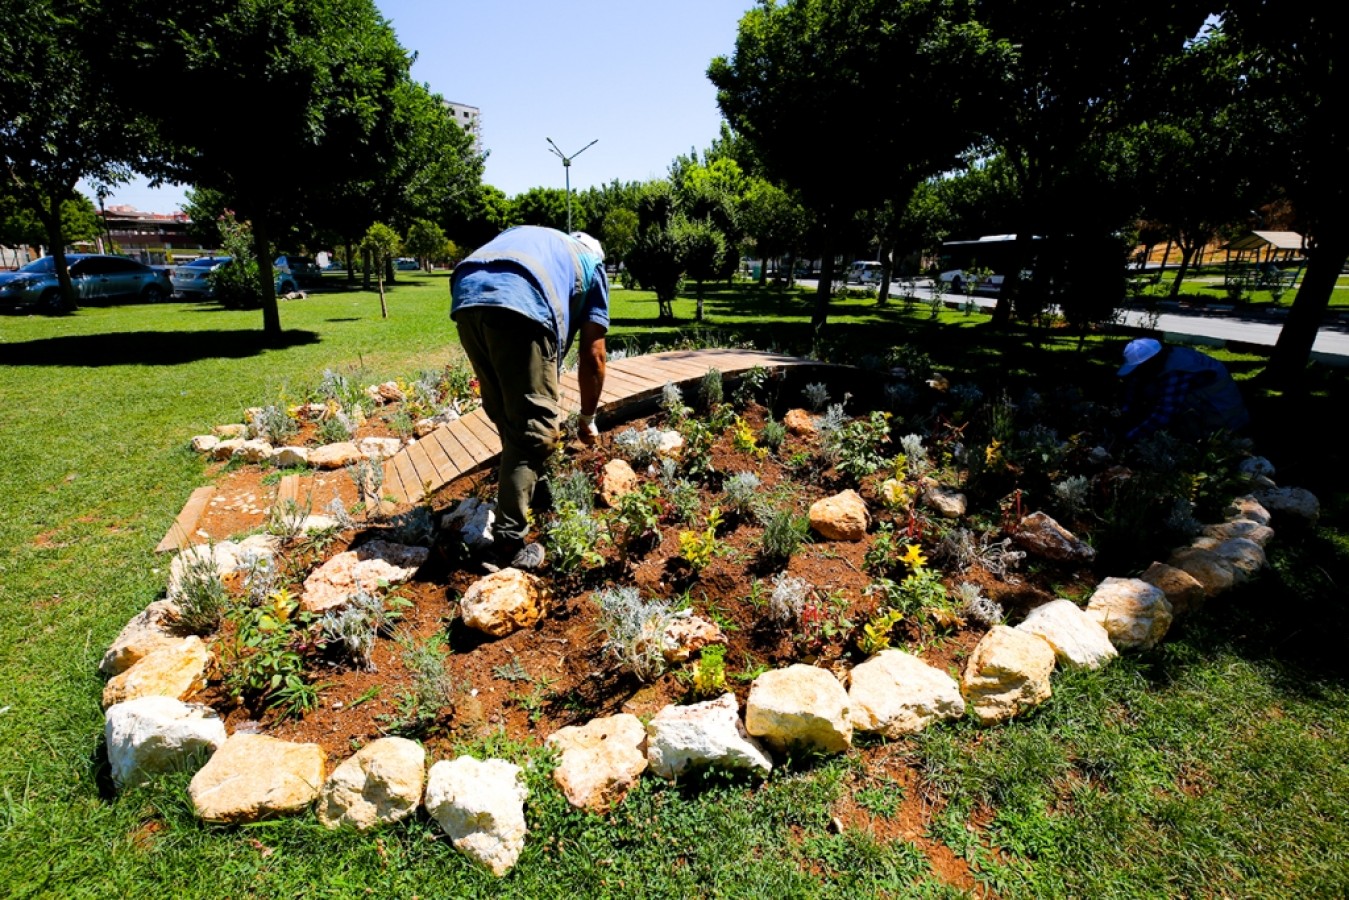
x=773, y=435
x=672, y=403
x=641, y=448
x=572, y=538
x=783, y=531
x=274, y=425
x=741, y=492
x=634, y=629
x=260, y=576
x=200, y=595
x=974, y=605
x=816, y=396
x=1073, y=494
x=287, y=518
x=574, y=487
x=430, y=688
x=336, y=428
x=960, y=548
x=368, y=476
x=790, y=596
x=916, y=459
x=359, y=622
x=683, y=495
x=710, y=389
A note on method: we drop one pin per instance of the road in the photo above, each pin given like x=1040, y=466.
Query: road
x=1215, y=324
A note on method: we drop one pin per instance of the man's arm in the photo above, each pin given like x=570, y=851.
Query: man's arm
x=590, y=370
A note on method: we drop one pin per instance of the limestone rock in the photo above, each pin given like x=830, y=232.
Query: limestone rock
x=1008, y=672
x=1212, y=572
x=364, y=568
x=1135, y=614
x=480, y=804
x=1182, y=589
x=380, y=785
x=388, y=392
x=290, y=457
x=895, y=693
x=1078, y=639
x=1041, y=536
x=799, y=705
x=151, y=735
x=948, y=502
x=1256, y=465
x=1245, y=556
x=1294, y=505
x=842, y=517
x=379, y=447
x=231, y=431
x=253, y=451
x=600, y=761
x=226, y=447
x=1247, y=508
x=473, y=519
x=149, y=630
x=671, y=443
x=422, y=427
x=334, y=456
x=616, y=480
x=204, y=443
x=1239, y=528
x=316, y=524
x=799, y=422
x=686, y=636
x=177, y=670
x=253, y=777
x=504, y=602
x=680, y=738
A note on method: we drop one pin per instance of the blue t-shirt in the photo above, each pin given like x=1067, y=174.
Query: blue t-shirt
x=541, y=273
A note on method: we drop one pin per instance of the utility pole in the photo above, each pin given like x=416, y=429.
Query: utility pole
x=566, y=168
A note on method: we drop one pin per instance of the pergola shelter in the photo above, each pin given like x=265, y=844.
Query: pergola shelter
x=1264, y=259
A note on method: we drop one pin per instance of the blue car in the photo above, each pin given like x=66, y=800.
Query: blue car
x=194, y=280
x=94, y=277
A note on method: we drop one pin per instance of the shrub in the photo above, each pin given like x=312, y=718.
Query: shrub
x=698, y=547
x=974, y=605
x=201, y=596
x=751, y=382
x=672, y=403
x=431, y=689
x=789, y=598
x=274, y=425
x=641, y=448
x=783, y=532
x=571, y=540
x=682, y=496
x=816, y=395
x=710, y=390
x=708, y=676
x=336, y=428
x=360, y=620
x=636, y=519
x=856, y=448
x=773, y=435
x=741, y=492
x=573, y=487
x=634, y=630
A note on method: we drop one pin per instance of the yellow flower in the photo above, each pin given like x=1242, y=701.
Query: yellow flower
x=913, y=557
x=991, y=453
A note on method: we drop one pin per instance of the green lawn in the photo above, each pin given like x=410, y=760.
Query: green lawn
x=1216, y=765
x=1207, y=286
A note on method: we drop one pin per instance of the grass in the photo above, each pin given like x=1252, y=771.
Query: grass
x=1206, y=285
x=1214, y=765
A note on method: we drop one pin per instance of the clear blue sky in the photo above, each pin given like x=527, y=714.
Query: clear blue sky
x=630, y=73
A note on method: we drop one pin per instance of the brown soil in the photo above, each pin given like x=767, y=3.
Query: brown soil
x=568, y=679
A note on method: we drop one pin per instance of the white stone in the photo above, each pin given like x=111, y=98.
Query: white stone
x=1040, y=535
x=1239, y=528
x=671, y=443
x=253, y=451
x=362, y=569
x=290, y=457
x=149, y=630
x=422, y=427
x=253, y=777
x=895, y=693
x=1296, y=505
x=1182, y=589
x=480, y=804
x=948, y=502
x=1078, y=639
x=148, y=736
x=473, y=518
x=1008, y=672
x=600, y=761
x=1248, y=508
x=177, y=670
x=205, y=443
x=680, y=738
x=616, y=480
x=231, y=431
x=799, y=706
x=504, y=602
x=225, y=449
x=1213, y=573
x=334, y=456
x=381, y=784
x=1245, y=556
x=379, y=447
x=314, y=524
x=1135, y=614
x=842, y=517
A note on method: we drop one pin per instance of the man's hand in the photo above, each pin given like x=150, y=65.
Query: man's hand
x=586, y=430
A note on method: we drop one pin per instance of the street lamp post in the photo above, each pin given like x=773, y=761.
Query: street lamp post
x=566, y=167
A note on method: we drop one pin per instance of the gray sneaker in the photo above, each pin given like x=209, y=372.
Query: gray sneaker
x=530, y=557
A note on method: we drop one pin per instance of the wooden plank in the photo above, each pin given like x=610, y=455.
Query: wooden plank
x=641, y=373
x=460, y=459
x=184, y=528
x=407, y=476
x=484, y=431
x=440, y=459
x=288, y=489
x=480, y=451
x=423, y=470
x=631, y=384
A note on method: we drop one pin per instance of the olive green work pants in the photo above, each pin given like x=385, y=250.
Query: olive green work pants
x=515, y=359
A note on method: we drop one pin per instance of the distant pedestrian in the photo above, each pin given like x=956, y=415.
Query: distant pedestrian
x=519, y=301
x=1179, y=390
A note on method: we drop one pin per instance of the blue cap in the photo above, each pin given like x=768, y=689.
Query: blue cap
x=1137, y=352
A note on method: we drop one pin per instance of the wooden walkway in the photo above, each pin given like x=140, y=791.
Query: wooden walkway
x=471, y=443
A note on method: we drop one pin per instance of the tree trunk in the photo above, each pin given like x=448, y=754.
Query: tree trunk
x=1022, y=250
x=1186, y=254
x=262, y=252
x=54, y=224
x=698, y=316
x=825, y=284
x=351, y=264
x=383, y=307
x=1288, y=362
x=365, y=270
x=883, y=291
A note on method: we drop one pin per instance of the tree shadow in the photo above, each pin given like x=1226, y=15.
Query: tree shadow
x=150, y=348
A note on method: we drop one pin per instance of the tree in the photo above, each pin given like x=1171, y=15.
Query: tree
x=426, y=241
x=656, y=259
x=806, y=74
x=380, y=245
x=1291, y=77
x=20, y=225
x=703, y=247
x=307, y=87
x=59, y=122
x=480, y=215
x=618, y=232
x=546, y=207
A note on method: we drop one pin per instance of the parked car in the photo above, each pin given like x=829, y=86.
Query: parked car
x=303, y=270
x=406, y=264
x=196, y=279
x=95, y=278
x=864, y=272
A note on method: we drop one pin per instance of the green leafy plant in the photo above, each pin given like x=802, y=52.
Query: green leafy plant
x=430, y=690
x=710, y=390
x=573, y=487
x=751, y=383
x=773, y=435
x=200, y=593
x=783, y=531
x=876, y=633
x=696, y=454
x=635, y=521
x=707, y=677
x=268, y=644
x=699, y=547
x=572, y=539
x=857, y=448
x=744, y=440
x=740, y=493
